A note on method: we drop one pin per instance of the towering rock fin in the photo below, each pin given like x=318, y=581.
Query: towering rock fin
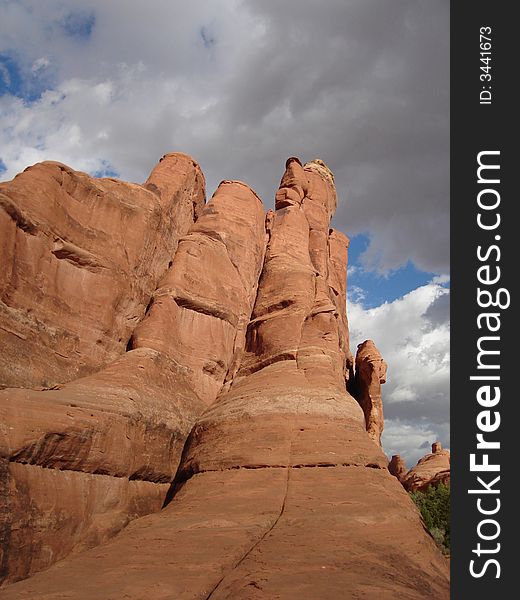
x=370, y=375
x=300, y=309
x=205, y=299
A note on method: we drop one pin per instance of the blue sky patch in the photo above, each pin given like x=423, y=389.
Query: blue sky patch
x=106, y=170
x=3, y=168
x=11, y=80
x=79, y=24
x=16, y=81
x=372, y=289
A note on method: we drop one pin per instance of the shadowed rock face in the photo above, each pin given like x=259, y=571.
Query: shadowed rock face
x=280, y=490
x=430, y=470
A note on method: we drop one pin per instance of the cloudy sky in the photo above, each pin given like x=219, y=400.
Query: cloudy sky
x=108, y=87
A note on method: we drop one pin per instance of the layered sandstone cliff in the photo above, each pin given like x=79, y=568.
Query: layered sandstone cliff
x=240, y=360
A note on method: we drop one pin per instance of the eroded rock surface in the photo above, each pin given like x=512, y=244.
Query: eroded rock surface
x=299, y=313
x=81, y=258
x=432, y=469
x=205, y=299
x=262, y=533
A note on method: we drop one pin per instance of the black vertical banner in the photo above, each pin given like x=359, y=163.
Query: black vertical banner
x=484, y=248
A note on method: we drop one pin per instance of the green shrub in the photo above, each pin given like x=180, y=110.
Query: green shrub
x=434, y=504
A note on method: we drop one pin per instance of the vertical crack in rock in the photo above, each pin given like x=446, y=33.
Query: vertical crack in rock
x=260, y=539
x=269, y=530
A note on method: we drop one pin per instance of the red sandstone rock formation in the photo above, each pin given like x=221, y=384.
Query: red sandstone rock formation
x=280, y=491
x=436, y=447
x=370, y=375
x=431, y=470
x=397, y=467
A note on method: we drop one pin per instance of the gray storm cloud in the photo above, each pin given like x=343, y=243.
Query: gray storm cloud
x=242, y=85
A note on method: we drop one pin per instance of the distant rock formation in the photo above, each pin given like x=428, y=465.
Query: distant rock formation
x=430, y=470
x=197, y=357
